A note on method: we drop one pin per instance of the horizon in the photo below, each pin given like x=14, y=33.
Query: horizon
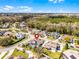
x=37, y=13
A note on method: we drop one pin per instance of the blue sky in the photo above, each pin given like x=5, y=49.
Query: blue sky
x=40, y=6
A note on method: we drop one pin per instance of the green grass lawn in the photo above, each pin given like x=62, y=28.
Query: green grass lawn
x=53, y=55
x=5, y=55
x=50, y=37
x=31, y=49
x=19, y=53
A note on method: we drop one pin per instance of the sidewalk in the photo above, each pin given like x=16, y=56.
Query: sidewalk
x=2, y=54
x=9, y=54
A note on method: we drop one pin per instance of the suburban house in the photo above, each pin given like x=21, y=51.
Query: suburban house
x=22, y=24
x=2, y=33
x=20, y=35
x=50, y=45
x=8, y=34
x=71, y=54
x=36, y=43
x=6, y=25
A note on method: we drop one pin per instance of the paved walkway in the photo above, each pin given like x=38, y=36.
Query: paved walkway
x=9, y=54
x=2, y=54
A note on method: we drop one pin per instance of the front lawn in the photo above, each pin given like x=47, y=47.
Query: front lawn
x=50, y=37
x=19, y=53
x=53, y=55
x=5, y=55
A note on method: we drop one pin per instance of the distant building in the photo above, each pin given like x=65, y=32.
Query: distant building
x=36, y=43
x=50, y=45
x=58, y=47
x=11, y=57
x=20, y=35
x=44, y=58
x=2, y=33
x=22, y=24
x=35, y=31
x=55, y=35
x=8, y=33
x=42, y=33
x=20, y=57
x=71, y=54
x=6, y=25
x=20, y=49
x=33, y=43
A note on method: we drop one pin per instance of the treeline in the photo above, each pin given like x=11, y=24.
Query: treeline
x=61, y=24
x=12, y=19
x=64, y=25
x=52, y=19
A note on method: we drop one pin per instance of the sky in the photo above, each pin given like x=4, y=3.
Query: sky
x=39, y=6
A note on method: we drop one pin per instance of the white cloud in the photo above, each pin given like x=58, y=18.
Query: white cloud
x=50, y=0
x=40, y=11
x=7, y=8
x=24, y=9
x=49, y=11
x=44, y=11
x=56, y=1
x=64, y=11
x=61, y=0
